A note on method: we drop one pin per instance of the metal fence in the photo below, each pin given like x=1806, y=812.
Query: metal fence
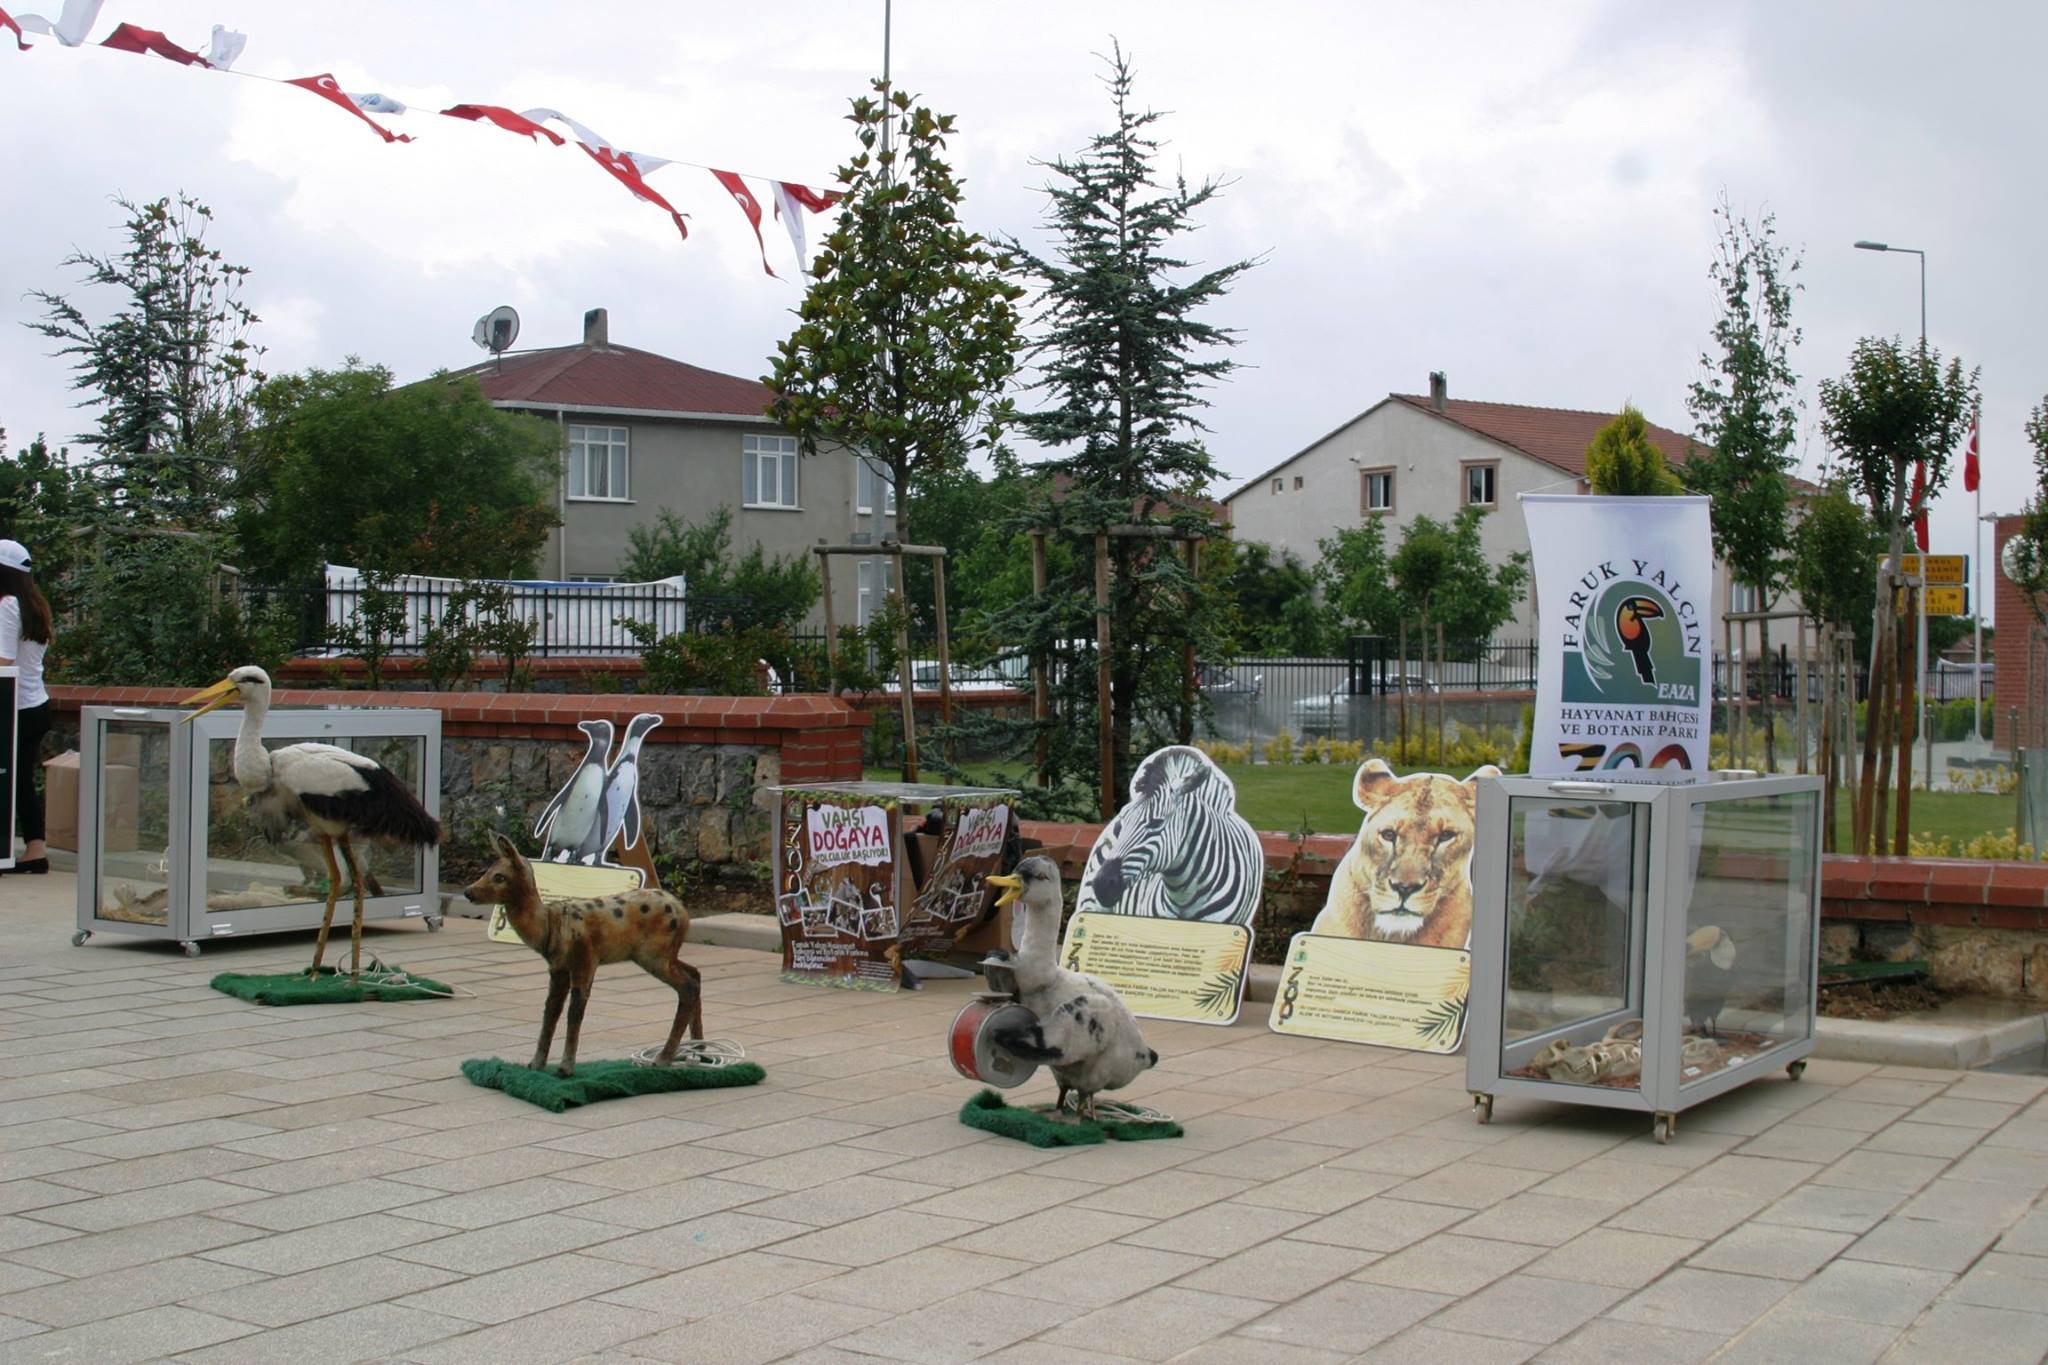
x=567, y=618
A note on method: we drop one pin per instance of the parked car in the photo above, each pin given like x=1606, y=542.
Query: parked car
x=1220, y=683
x=1330, y=713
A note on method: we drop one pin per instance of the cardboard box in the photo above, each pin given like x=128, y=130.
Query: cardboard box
x=60, y=801
x=120, y=785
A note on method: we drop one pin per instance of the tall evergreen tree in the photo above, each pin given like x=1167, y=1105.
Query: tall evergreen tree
x=1122, y=360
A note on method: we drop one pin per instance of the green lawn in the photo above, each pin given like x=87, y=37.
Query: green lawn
x=1287, y=798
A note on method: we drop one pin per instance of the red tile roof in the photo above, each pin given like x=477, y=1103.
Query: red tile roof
x=1556, y=436
x=609, y=376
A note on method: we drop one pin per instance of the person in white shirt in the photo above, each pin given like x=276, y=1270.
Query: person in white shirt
x=25, y=633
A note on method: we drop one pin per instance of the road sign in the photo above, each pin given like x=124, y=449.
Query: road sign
x=1941, y=601
x=1943, y=571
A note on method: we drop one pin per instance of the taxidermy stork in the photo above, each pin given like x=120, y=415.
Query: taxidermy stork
x=579, y=806
x=339, y=794
x=1084, y=1032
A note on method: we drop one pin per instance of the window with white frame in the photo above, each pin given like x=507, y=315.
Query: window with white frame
x=1279, y=484
x=593, y=578
x=600, y=464
x=1479, y=481
x=1743, y=597
x=874, y=577
x=768, y=471
x=1376, y=490
x=871, y=476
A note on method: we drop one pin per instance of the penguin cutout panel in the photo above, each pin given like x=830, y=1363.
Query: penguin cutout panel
x=597, y=810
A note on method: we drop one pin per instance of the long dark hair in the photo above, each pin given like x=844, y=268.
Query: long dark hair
x=35, y=611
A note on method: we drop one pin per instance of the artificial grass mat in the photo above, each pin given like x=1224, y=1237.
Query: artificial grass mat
x=330, y=987
x=989, y=1112
x=595, y=1081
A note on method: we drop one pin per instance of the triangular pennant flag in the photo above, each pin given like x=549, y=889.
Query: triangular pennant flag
x=74, y=22
x=327, y=88
x=374, y=103
x=628, y=168
x=817, y=201
x=750, y=206
x=226, y=48
x=791, y=200
x=148, y=41
x=7, y=22
x=504, y=118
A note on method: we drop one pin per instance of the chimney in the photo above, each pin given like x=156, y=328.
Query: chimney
x=597, y=328
x=1439, y=388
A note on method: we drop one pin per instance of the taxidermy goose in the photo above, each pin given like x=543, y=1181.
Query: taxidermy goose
x=1084, y=1033
x=340, y=795
x=621, y=794
x=579, y=805
x=1709, y=974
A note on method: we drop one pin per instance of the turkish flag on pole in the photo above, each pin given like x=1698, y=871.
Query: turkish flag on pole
x=1920, y=507
x=1970, y=455
x=504, y=118
x=329, y=89
x=750, y=206
x=143, y=41
x=7, y=22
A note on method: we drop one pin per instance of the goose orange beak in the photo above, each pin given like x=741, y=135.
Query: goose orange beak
x=214, y=697
x=1013, y=888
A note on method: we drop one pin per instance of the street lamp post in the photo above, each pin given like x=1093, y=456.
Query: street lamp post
x=1920, y=683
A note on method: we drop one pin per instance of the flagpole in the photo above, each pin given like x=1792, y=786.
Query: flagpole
x=1977, y=567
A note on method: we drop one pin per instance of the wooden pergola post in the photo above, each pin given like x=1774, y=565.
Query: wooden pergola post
x=894, y=552
x=945, y=654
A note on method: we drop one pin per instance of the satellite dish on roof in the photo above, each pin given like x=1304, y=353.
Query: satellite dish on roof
x=497, y=330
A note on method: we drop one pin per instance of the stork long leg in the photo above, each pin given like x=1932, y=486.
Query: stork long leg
x=333, y=894
x=355, y=935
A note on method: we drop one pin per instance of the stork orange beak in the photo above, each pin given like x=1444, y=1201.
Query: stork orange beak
x=1013, y=888
x=214, y=697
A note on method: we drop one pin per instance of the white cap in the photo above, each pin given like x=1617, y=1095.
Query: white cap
x=13, y=554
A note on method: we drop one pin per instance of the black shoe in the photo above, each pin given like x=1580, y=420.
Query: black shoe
x=37, y=865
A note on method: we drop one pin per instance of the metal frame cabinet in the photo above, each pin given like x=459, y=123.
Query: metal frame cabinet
x=1660, y=879
x=186, y=806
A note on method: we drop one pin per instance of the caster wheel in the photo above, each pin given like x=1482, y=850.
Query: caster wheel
x=190, y=948
x=434, y=923
x=78, y=939
x=1797, y=1069
x=1663, y=1127
x=1482, y=1108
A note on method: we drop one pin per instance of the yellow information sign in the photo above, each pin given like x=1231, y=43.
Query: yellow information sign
x=1180, y=969
x=1365, y=991
x=1940, y=601
x=1948, y=571
x=566, y=882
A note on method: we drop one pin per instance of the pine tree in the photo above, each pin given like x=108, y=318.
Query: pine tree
x=1122, y=360
x=1623, y=461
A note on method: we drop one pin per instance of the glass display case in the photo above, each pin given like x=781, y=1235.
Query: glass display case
x=168, y=846
x=1642, y=945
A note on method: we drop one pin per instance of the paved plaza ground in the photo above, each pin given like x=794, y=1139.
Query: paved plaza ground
x=183, y=1176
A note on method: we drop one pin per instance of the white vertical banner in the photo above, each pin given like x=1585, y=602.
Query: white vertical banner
x=1625, y=631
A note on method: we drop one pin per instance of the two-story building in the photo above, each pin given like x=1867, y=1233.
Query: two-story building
x=1432, y=455
x=642, y=434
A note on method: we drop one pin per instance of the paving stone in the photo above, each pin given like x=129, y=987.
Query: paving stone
x=505, y=1244
x=1528, y=1308
x=1782, y=1253
x=1381, y=1224
x=1105, y=1274
x=523, y=1289
x=571, y=1331
x=1469, y=1185
x=1923, y=1244
x=735, y=1281
x=1829, y=1208
x=1614, y=1256
x=1050, y=1234
x=1278, y=1270
x=287, y=1253
x=68, y=1303
x=2029, y=1236
x=287, y=1299
x=1782, y=1335
x=98, y=1252
x=1021, y=1192
x=152, y=1334
x=1971, y=1201
x=1980, y=1114
x=1429, y=1345
x=1409, y=1156
x=1449, y=1263
x=1802, y=1142
x=1867, y=1291
x=1923, y=1139
x=378, y=1332
x=1894, y=1172
x=1219, y=1229
x=1325, y=1189
x=765, y=1330
x=1982, y=1336
x=1998, y=1280
x=1686, y=1210
x=1703, y=1301
x=1345, y=1316
x=697, y=1241
x=1604, y=1341
x=961, y=1328
x=1541, y=1219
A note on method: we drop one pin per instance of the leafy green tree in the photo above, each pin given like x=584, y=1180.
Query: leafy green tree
x=725, y=593
x=1122, y=358
x=169, y=368
x=1440, y=573
x=1623, y=462
x=1895, y=406
x=2027, y=551
x=1271, y=599
x=1835, y=549
x=424, y=479
x=43, y=500
x=905, y=340
x=1356, y=576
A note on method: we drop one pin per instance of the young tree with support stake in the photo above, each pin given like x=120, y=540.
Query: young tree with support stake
x=1122, y=362
x=1895, y=406
x=1745, y=406
x=906, y=338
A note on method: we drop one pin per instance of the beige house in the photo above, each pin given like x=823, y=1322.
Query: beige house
x=642, y=433
x=1431, y=455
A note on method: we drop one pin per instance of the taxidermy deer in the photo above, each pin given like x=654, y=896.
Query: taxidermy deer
x=646, y=928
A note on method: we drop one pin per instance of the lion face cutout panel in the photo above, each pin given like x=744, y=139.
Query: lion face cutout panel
x=1407, y=878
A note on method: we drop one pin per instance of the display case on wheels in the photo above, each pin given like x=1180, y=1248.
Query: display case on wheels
x=1642, y=945
x=169, y=848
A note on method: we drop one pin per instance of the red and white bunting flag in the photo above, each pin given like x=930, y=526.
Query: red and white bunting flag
x=750, y=206
x=790, y=202
x=74, y=22
x=7, y=22
x=504, y=118
x=1919, y=504
x=630, y=169
x=1970, y=473
x=150, y=42
x=226, y=48
x=327, y=88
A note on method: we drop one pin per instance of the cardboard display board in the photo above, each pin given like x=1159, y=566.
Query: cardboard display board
x=954, y=899
x=1384, y=962
x=1166, y=901
x=567, y=882
x=835, y=890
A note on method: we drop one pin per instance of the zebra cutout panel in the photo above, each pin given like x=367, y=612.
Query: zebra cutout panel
x=1166, y=901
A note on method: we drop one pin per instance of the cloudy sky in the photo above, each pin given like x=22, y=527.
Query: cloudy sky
x=1517, y=194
